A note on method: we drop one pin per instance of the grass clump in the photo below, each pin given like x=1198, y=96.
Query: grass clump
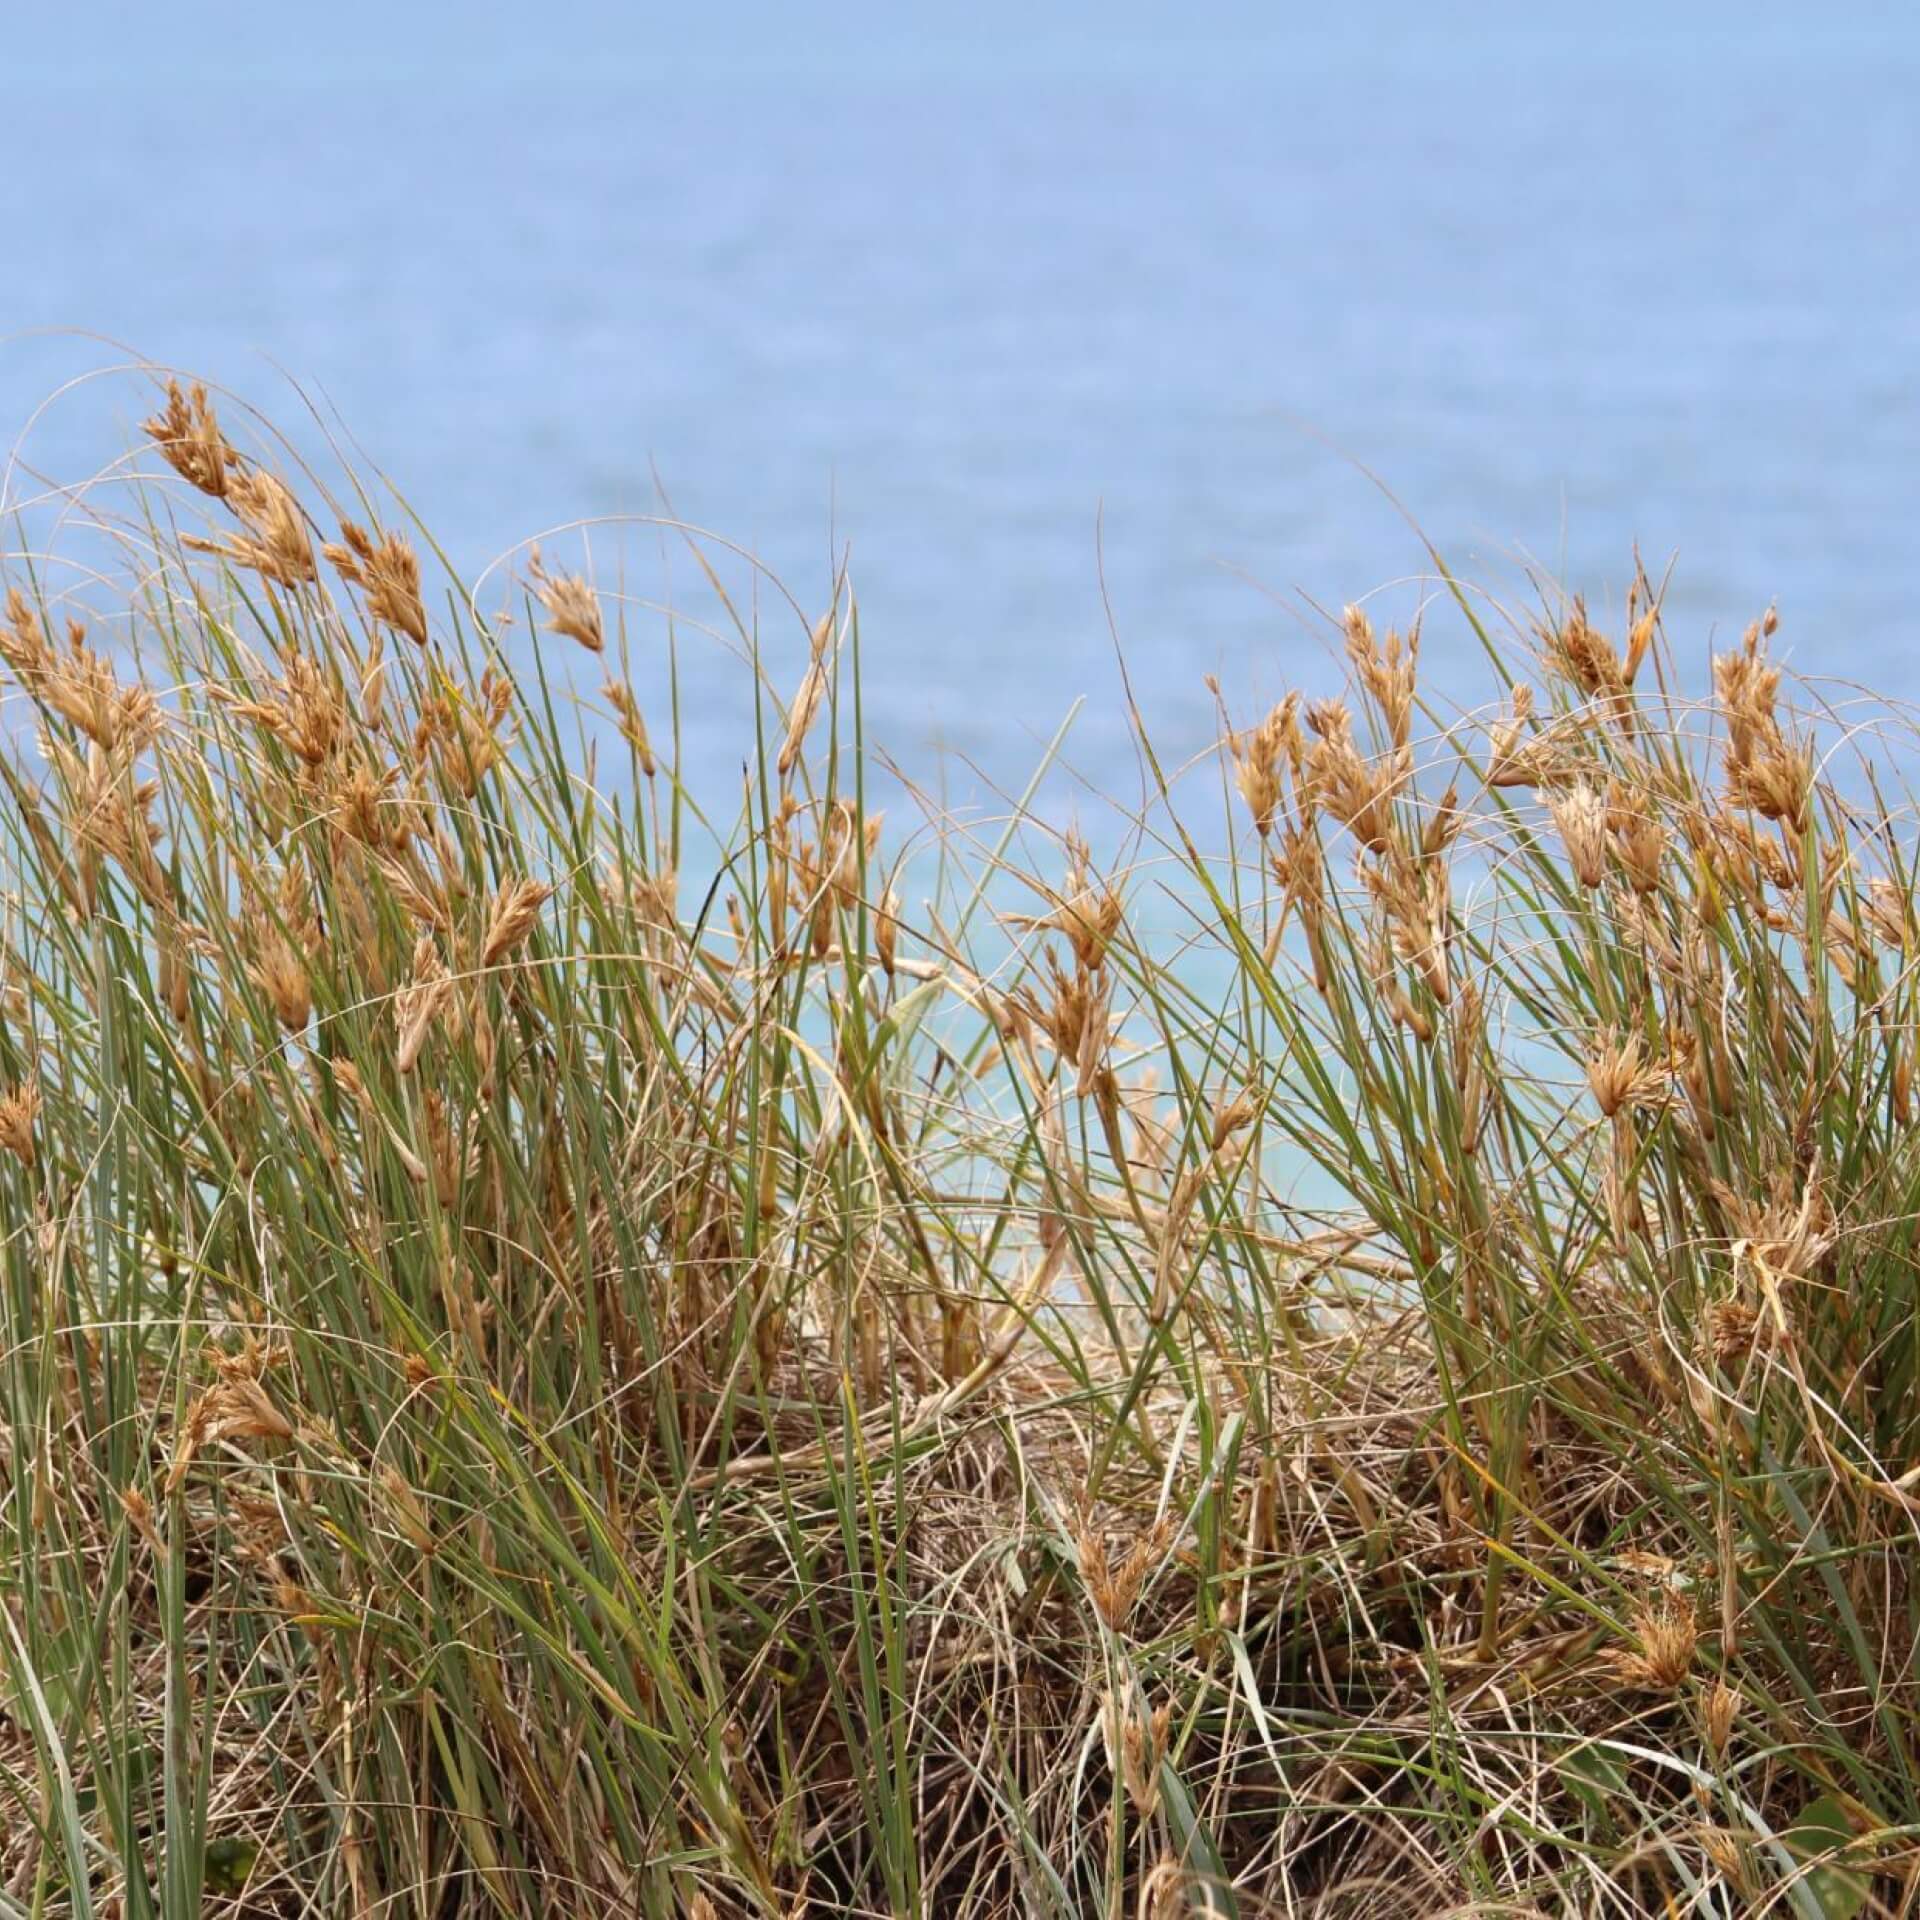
x=568, y=1353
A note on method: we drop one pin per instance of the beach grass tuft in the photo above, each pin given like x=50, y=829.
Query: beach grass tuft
x=574, y=1345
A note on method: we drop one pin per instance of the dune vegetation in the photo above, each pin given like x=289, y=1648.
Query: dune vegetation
x=575, y=1346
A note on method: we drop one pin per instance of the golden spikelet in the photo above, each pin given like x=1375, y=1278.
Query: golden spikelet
x=306, y=712
x=841, y=847
x=236, y=1408
x=75, y=682
x=1397, y=1001
x=280, y=976
x=23, y=639
x=633, y=725
x=1386, y=671
x=572, y=607
x=653, y=898
x=1470, y=1077
x=1299, y=866
x=373, y=682
x=1087, y=912
x=1639, y=838
x=387, y=571
x=279, y=946
x=1643, y=621
x=107, y=812
x=1765, y=770
x=1621, y=1076
x=1514, y=760
x=273, y=541
x=515, y=913
x=1777, y=784
x=1167, y=1892
x=781, y=874
x=19, y=1108
x=1733, y=1330
x=419, y=1004
x=418, y=895
x=1731, y=1854
x=1667, y=1636
x=1414, y=895
x=1889, y=912
x=806, y=702
x=1747, y=684
x=1354, y=789
x=463, y=733
x=174, y=976
x=404, y=1508
x=359, y=802
x=1787, y=1233
x=1583, y=656
x=139, y=1511
x=189, y=439
x=886, y=932
x=1232, y=1114
x=1114, y=1588
x=1261, y=758
x=1073, y=1014
x=1580, y=812
x=444, y=1165
x=1136, y=1744
x=1717, y=1714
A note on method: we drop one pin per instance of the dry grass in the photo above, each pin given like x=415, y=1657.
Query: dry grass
x=536, y=1384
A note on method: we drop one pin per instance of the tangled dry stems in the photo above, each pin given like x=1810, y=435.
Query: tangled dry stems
x=533, y=1386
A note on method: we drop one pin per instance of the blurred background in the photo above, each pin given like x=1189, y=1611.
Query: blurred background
x=978, y=291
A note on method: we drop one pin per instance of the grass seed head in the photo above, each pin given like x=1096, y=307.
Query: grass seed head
x=139, y=1511
x=1232, y=1115
x=419, y=1004
x=74, y=682
x=305, y=711
x=404, y=1509
x=1142, y=1745
x=1087, y=911
x=515, y=914
x=1717, y=1714
x=1513, y=760
x=806, y=703
x=1641, y=629
x=1889, y=912
x=1386, y=670
x=188, y=436
x=19, y=1109
x=387, y=571
x=236, y=1408
x=633, y=725
x=1413, y=893
x=1621, y=1075
x=1639, y=838
x=277, y=943
x=1356, y=791
x=1580, y=812
x=1261, y=759
x=1666, y=1635
x=1583, y=656
x=273, y=541
x=572, y=607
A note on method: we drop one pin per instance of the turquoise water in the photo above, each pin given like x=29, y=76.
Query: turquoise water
x=957, y=293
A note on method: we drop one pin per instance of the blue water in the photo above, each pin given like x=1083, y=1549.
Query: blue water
x=961, y=293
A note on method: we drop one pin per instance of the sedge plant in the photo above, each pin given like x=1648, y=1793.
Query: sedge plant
x=571, y=1345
